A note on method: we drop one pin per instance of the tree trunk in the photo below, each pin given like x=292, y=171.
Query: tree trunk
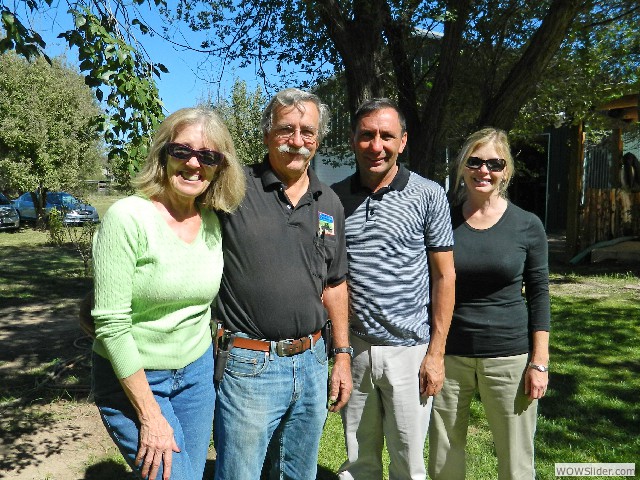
x=359, y=43
x=501, y=110
x=425, y=137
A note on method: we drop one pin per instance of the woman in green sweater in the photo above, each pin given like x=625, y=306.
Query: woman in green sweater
x=498, y=340
x=158, y=264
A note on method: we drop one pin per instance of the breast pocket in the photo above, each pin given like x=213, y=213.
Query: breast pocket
x=324, y=252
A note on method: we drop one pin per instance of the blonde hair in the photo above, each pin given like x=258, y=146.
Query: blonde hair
x=497, y=138
x=227, y=188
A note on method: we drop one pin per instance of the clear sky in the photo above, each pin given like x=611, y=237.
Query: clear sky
x=188, y=80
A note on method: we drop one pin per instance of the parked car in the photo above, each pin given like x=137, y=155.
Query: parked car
x=74, y=211
x=9, y=218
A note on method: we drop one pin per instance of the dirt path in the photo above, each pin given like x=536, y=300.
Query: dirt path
x=59, y=441
x=57, y=434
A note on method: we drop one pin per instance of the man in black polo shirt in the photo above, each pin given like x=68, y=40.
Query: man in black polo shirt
x=284, y=274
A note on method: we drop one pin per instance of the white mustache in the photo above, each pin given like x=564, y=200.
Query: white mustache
x=284, y=148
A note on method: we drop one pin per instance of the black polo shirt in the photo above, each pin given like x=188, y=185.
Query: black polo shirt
x=278, y=259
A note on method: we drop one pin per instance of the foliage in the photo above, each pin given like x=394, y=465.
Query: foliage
x=510, y=64
x=133, y=106
x=242, y=114
x=48, y=139
x=79, y=238
x=114, y=64
x=521, y=65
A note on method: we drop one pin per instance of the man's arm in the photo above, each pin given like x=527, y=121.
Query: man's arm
x=443, y=284
x=335, y=300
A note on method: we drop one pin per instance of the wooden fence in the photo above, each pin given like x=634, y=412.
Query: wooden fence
x=607, y=214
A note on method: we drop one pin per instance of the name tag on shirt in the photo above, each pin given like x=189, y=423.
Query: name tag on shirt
x=326, y=224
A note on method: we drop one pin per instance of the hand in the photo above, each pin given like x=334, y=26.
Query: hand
x=340, y=385
x=535, y=383
x=156, y=445
x=431, y=375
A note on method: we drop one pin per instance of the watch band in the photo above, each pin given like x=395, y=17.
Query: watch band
x=348, y=350
x=540, y=368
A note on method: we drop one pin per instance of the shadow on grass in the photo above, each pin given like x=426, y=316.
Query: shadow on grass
x=591, y=413
x=41, y=273
x=109, y=470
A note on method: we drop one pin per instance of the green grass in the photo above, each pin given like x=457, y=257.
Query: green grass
x=591, y=412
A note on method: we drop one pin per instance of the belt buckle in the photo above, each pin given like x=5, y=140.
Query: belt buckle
x=288, y=348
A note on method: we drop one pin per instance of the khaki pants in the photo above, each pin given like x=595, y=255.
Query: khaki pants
x=385, y=403
x=510, y=413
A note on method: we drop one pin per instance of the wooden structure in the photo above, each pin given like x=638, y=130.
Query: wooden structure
x=599, y=213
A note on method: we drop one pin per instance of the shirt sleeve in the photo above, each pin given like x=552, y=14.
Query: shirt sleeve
x=114, y=261
x=337, y=271
x=536, y=277
x=438, y=234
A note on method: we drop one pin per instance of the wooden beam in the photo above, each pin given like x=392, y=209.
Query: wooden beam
x=625, y=101
x=576, y=166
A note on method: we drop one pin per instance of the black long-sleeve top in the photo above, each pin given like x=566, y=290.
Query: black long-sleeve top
x=491, y=317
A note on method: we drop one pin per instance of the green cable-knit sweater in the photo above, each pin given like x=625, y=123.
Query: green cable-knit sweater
x=153, y=291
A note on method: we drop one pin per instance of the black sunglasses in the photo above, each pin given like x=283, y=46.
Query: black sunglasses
x=493, y=164
x=210, y=158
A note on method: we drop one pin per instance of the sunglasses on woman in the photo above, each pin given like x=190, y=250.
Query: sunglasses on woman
x=210, y=158
x=493, y=164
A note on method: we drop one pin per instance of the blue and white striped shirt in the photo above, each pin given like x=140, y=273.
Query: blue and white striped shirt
x=389, y=234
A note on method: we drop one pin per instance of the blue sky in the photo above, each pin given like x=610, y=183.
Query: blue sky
x=187, y=82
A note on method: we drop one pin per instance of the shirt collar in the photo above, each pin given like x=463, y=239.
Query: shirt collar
x=398, y=183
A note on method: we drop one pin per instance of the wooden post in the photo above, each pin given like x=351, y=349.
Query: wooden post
x=576, y=167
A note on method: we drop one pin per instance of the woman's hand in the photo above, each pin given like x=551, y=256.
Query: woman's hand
x=157, y=444
x=535, y=383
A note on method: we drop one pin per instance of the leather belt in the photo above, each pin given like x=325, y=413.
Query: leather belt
x=284, y=348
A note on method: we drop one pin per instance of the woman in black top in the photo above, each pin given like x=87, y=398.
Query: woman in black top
x=498, y=341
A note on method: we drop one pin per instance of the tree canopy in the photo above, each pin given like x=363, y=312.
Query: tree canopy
x=242, y=113
x=49, y=138
x=508, y=63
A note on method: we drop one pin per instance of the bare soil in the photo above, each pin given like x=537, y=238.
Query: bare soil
x=52, y=431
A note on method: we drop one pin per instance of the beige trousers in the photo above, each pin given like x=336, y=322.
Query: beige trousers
x=385, y=404
x=510, y=413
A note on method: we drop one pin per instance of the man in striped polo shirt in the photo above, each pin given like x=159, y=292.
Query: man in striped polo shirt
x=401, y=290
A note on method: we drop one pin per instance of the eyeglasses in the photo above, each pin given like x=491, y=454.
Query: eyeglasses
x=493, y=164
x=209, y=158
x=285, y=132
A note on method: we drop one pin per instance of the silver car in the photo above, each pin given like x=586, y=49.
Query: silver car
x=9, y=218
x=74, y=211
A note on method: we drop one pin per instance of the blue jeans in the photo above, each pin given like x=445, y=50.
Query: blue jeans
x=271, y=406
x=186, y=397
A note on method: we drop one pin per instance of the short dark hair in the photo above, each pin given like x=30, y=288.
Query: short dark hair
x=375, y=104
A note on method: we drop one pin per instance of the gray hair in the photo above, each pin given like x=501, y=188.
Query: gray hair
x=295, y=97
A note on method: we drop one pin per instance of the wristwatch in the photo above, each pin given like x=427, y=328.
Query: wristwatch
x=348, y=350
x=540, y=368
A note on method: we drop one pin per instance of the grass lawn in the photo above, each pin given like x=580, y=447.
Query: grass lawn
x=591, y=412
